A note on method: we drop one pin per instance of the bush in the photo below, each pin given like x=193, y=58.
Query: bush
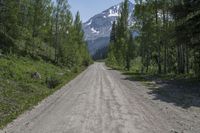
x=53, y=82
x=86, y=63
x=75, y=69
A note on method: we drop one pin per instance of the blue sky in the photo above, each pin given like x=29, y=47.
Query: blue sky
x=89, y=8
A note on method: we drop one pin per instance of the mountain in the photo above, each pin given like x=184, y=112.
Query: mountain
x=97, y=29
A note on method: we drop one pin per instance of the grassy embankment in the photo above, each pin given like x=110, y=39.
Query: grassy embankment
x=19, y=91
x=135, y=73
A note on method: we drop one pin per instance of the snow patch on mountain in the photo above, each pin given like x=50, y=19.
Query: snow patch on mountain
x=89, y=23
x=94, y=31
x=113, y=13
x=97, y=29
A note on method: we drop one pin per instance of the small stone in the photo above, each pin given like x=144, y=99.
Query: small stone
x=36, y=75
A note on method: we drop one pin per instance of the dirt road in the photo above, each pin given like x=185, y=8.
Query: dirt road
x=102, y=101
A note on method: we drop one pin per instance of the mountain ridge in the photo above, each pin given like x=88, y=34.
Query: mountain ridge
x=100, y=25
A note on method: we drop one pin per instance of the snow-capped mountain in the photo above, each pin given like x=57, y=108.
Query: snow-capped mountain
x=97, y=29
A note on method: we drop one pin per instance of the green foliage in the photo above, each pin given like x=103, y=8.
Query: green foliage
x=121, y=47
x=186, y=15
x=19, y=91
x=52, y=81
x=37, y=36
x=42, y=30
x=167, y=41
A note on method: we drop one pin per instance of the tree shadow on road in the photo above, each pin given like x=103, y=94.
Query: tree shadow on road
x=113, y=68
x=184, y=93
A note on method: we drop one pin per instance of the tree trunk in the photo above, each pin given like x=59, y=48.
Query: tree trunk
x=158, y=39
x=56, y=37
x=187, y=60
x=181, y=59
x=164, y=41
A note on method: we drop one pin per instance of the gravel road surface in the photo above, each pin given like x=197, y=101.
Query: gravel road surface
x=101, y=100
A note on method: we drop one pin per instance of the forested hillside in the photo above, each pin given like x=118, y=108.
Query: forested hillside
x=41, y=29
x=41, y=48
x=167, y=42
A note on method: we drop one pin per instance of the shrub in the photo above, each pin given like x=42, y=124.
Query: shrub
x=52, y=82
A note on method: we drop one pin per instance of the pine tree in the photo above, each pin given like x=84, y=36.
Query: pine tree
x=119, y=39
x=113, y=33
x=38, y=27
x=186, y=15
x=62, y=21
x=8, y=24
x=130, y=53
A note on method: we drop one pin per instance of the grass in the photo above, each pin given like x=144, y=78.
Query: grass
x=19, y=92
x=150, y=76
x=148, y=79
